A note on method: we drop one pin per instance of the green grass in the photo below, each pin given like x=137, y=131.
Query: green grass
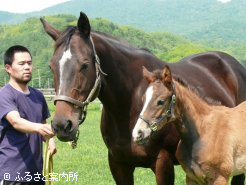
x=89, y=159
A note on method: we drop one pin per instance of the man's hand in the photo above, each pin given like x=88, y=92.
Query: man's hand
x=52, y=146
x=45, y=130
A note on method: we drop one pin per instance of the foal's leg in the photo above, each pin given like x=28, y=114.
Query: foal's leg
x=164, y=169
x=190, y=181
x=122, y=173
x=220, y=180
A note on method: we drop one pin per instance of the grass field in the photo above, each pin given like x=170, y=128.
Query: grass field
x=89, y=159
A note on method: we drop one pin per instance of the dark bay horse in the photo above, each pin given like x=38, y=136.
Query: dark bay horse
x=88, y=64
x=216, y=131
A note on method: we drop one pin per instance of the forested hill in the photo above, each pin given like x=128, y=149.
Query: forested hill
x=30, y=33
x=208, y=20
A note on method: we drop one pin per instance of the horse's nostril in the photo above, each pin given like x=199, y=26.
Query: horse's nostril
x=54, y=129
x=69, y=126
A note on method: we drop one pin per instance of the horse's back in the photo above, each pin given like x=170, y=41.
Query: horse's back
x=216, y=75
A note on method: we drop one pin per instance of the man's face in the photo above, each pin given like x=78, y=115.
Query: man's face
x=21, y=68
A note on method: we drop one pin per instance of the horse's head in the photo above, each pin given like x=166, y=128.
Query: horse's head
x=75, y=67
x=159, y=102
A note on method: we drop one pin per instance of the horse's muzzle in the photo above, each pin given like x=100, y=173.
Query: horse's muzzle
x=65, y=130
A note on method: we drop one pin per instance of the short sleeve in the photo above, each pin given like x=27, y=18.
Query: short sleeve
x=7, y=102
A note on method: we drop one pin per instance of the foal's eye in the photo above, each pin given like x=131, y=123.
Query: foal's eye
x=160, y=102
x=84, y=67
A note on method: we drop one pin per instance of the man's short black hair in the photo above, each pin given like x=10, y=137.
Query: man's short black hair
x=9, y=54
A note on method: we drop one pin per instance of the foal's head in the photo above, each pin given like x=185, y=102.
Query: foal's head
x=159, y=101
x=75, y=68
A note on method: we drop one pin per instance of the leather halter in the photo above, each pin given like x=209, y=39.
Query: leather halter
x=153, y=125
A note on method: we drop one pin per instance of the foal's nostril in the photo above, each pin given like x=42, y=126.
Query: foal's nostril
x=140, y=134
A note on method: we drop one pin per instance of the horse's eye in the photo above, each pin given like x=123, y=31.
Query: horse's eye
x=84, y=67
x=160, y=102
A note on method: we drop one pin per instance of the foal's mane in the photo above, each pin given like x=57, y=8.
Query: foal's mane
x=184, y=83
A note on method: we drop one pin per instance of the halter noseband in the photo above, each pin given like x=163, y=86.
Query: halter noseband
x=153, y=125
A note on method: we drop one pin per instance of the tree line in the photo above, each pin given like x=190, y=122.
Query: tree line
x=166, y=46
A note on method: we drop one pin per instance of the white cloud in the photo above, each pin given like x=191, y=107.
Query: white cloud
x=18, y=6
x=224, y=1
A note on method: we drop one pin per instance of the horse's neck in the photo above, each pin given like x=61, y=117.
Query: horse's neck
x=191, y=110
x=117, y=70
x=123, y=84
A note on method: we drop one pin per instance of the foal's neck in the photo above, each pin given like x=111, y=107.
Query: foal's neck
x=191, y=109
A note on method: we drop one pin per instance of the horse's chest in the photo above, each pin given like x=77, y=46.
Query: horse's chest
x=135, y=156
x=124, y=150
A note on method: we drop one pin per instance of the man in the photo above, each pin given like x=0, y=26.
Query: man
x=23, y=114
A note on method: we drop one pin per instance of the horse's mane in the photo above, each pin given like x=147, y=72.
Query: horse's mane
x=184, y=83
x=125, y=42
x=70, y=30
x=146, y=49
x=65, y=36
x=110, y=36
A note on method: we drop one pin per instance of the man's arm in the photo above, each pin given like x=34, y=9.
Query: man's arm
x=26, y=126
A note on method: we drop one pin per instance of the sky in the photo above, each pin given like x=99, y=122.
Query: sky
x=224, y=1
x=25, y=6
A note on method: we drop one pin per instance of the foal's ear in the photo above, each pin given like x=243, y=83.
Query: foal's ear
x=148, y=75
x=84, y=25
x=167, y=75
x=51, y=31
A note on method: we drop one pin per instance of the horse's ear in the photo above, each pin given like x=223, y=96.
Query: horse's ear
x=84, y=25
x=148, y=75
x=167, y=75
x=54, y=33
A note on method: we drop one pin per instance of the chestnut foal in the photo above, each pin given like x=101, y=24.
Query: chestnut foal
x=213, y=143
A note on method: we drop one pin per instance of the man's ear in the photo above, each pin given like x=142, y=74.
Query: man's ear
x=7, y=68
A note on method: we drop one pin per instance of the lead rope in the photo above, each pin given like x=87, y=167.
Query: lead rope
x=48, y=165
x=74, y=142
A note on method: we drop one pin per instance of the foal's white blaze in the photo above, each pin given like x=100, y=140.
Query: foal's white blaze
x=65, y=58
x=141, y=125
